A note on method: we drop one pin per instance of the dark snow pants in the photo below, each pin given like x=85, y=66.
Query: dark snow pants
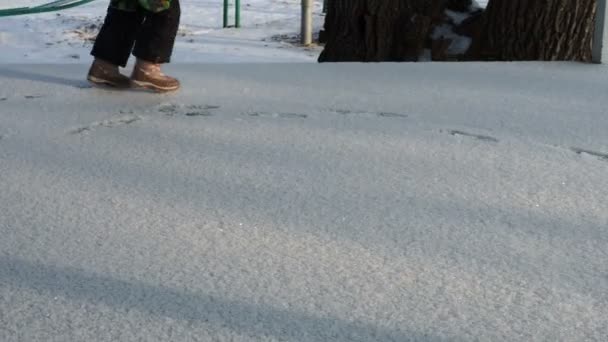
x=150, y=36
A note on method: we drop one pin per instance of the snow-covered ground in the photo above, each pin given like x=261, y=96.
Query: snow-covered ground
x=303, y=202
x=296, y=202
x=269, y=33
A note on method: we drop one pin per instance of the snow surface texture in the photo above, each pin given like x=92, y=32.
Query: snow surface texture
x=269, y=33
x=412, y=202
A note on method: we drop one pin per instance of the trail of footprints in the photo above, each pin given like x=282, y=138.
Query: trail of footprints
x=128, y=117
x=603, y=156
x=27, y=97
x=171, y=109
x=113, y=122
x=204, y=110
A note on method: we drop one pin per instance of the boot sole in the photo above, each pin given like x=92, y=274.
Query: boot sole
x=103, y=82
x=154, y=87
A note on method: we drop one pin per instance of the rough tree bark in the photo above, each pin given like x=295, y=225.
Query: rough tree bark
x=386, y=30
x=538, y=30
x=399, y=30
x=377, y=30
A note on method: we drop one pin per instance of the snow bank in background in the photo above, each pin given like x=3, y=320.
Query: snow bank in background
x=480, y=3
x=459, y=45
x=457, y=17
x=270, y=28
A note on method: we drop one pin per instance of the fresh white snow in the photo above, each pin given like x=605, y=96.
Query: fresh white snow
x=296, y=202
x=459, y=45
x=303, y=202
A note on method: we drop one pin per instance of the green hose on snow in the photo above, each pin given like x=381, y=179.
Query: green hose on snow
x=57, y=5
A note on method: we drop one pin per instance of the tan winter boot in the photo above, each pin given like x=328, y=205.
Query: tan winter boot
x=108, y=74
x=148, y=75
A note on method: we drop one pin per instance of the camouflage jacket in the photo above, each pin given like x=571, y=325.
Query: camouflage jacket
x=150, y=5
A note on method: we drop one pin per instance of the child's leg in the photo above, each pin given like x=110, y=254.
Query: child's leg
x=154, y=46
x=156, y=37
x=117, y=36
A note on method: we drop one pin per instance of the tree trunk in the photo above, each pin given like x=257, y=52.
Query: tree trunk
x=538, y=30
x=378, y=30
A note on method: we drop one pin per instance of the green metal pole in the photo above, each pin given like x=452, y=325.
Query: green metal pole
x=237, y=13
x=225, y=13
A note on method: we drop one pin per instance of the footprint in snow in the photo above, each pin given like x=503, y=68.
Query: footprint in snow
x=280, y=115
x=32, y=97
x=392, y=115
x=200, y=110
x=114, y=122
x=368, y=113
x=481, y=137
x=168, y=108
x=172, y=109
x=580, y=151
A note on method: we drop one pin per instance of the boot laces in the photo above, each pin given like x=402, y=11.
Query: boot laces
x=153, y=70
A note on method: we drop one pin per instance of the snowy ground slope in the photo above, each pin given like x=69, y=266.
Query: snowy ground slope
x=302, y=202
x=268, y=34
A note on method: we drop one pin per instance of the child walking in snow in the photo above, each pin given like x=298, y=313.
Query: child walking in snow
x=146, y=28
